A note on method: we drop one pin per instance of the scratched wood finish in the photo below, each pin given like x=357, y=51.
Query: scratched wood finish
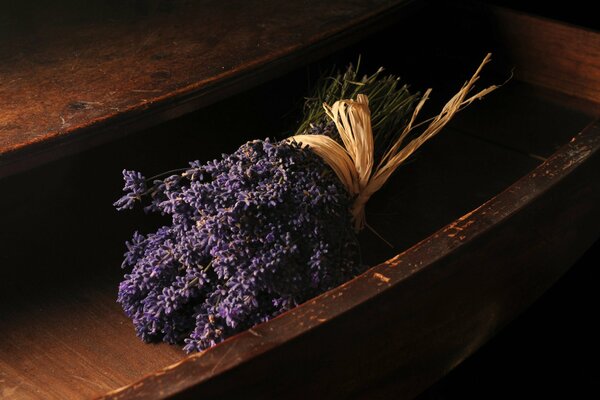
x=64, y=88
x=407, y=321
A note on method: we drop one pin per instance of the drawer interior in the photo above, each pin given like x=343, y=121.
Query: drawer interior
x=64, y=335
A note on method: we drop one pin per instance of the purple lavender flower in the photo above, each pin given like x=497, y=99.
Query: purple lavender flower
x=251, y=235
x=135, y=188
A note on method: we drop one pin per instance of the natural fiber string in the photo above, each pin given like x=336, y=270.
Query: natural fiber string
x=353, y=162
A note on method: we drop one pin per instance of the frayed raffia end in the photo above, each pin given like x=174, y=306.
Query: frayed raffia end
x=354, y=161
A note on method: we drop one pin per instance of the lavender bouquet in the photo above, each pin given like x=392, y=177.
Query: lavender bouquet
x=259, y=231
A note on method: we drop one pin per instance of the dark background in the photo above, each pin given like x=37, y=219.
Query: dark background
x=577, y=12
x=551, y=350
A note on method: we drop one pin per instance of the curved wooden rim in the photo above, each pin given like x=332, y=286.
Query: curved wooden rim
x=373, y=282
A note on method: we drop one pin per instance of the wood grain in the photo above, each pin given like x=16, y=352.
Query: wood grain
x=68, y=87
x=461, y=268
x=72, y=341
x=550, y=53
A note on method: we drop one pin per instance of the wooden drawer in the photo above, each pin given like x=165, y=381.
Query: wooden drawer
x=483, y=221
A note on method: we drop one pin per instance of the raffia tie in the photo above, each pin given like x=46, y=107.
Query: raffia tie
x=353, y=162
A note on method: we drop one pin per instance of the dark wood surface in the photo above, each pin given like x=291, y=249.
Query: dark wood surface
x=439, y=297
x=71, y=85
x=565, y=58
x=72, y=341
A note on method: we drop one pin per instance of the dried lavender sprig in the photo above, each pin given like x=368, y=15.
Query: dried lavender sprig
x=251, y=235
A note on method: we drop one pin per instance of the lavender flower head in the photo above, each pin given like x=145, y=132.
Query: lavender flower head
x=250, y=236
x=135, y=188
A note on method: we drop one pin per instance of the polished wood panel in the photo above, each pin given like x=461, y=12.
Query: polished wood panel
x=550, y=53
x=68, y=87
